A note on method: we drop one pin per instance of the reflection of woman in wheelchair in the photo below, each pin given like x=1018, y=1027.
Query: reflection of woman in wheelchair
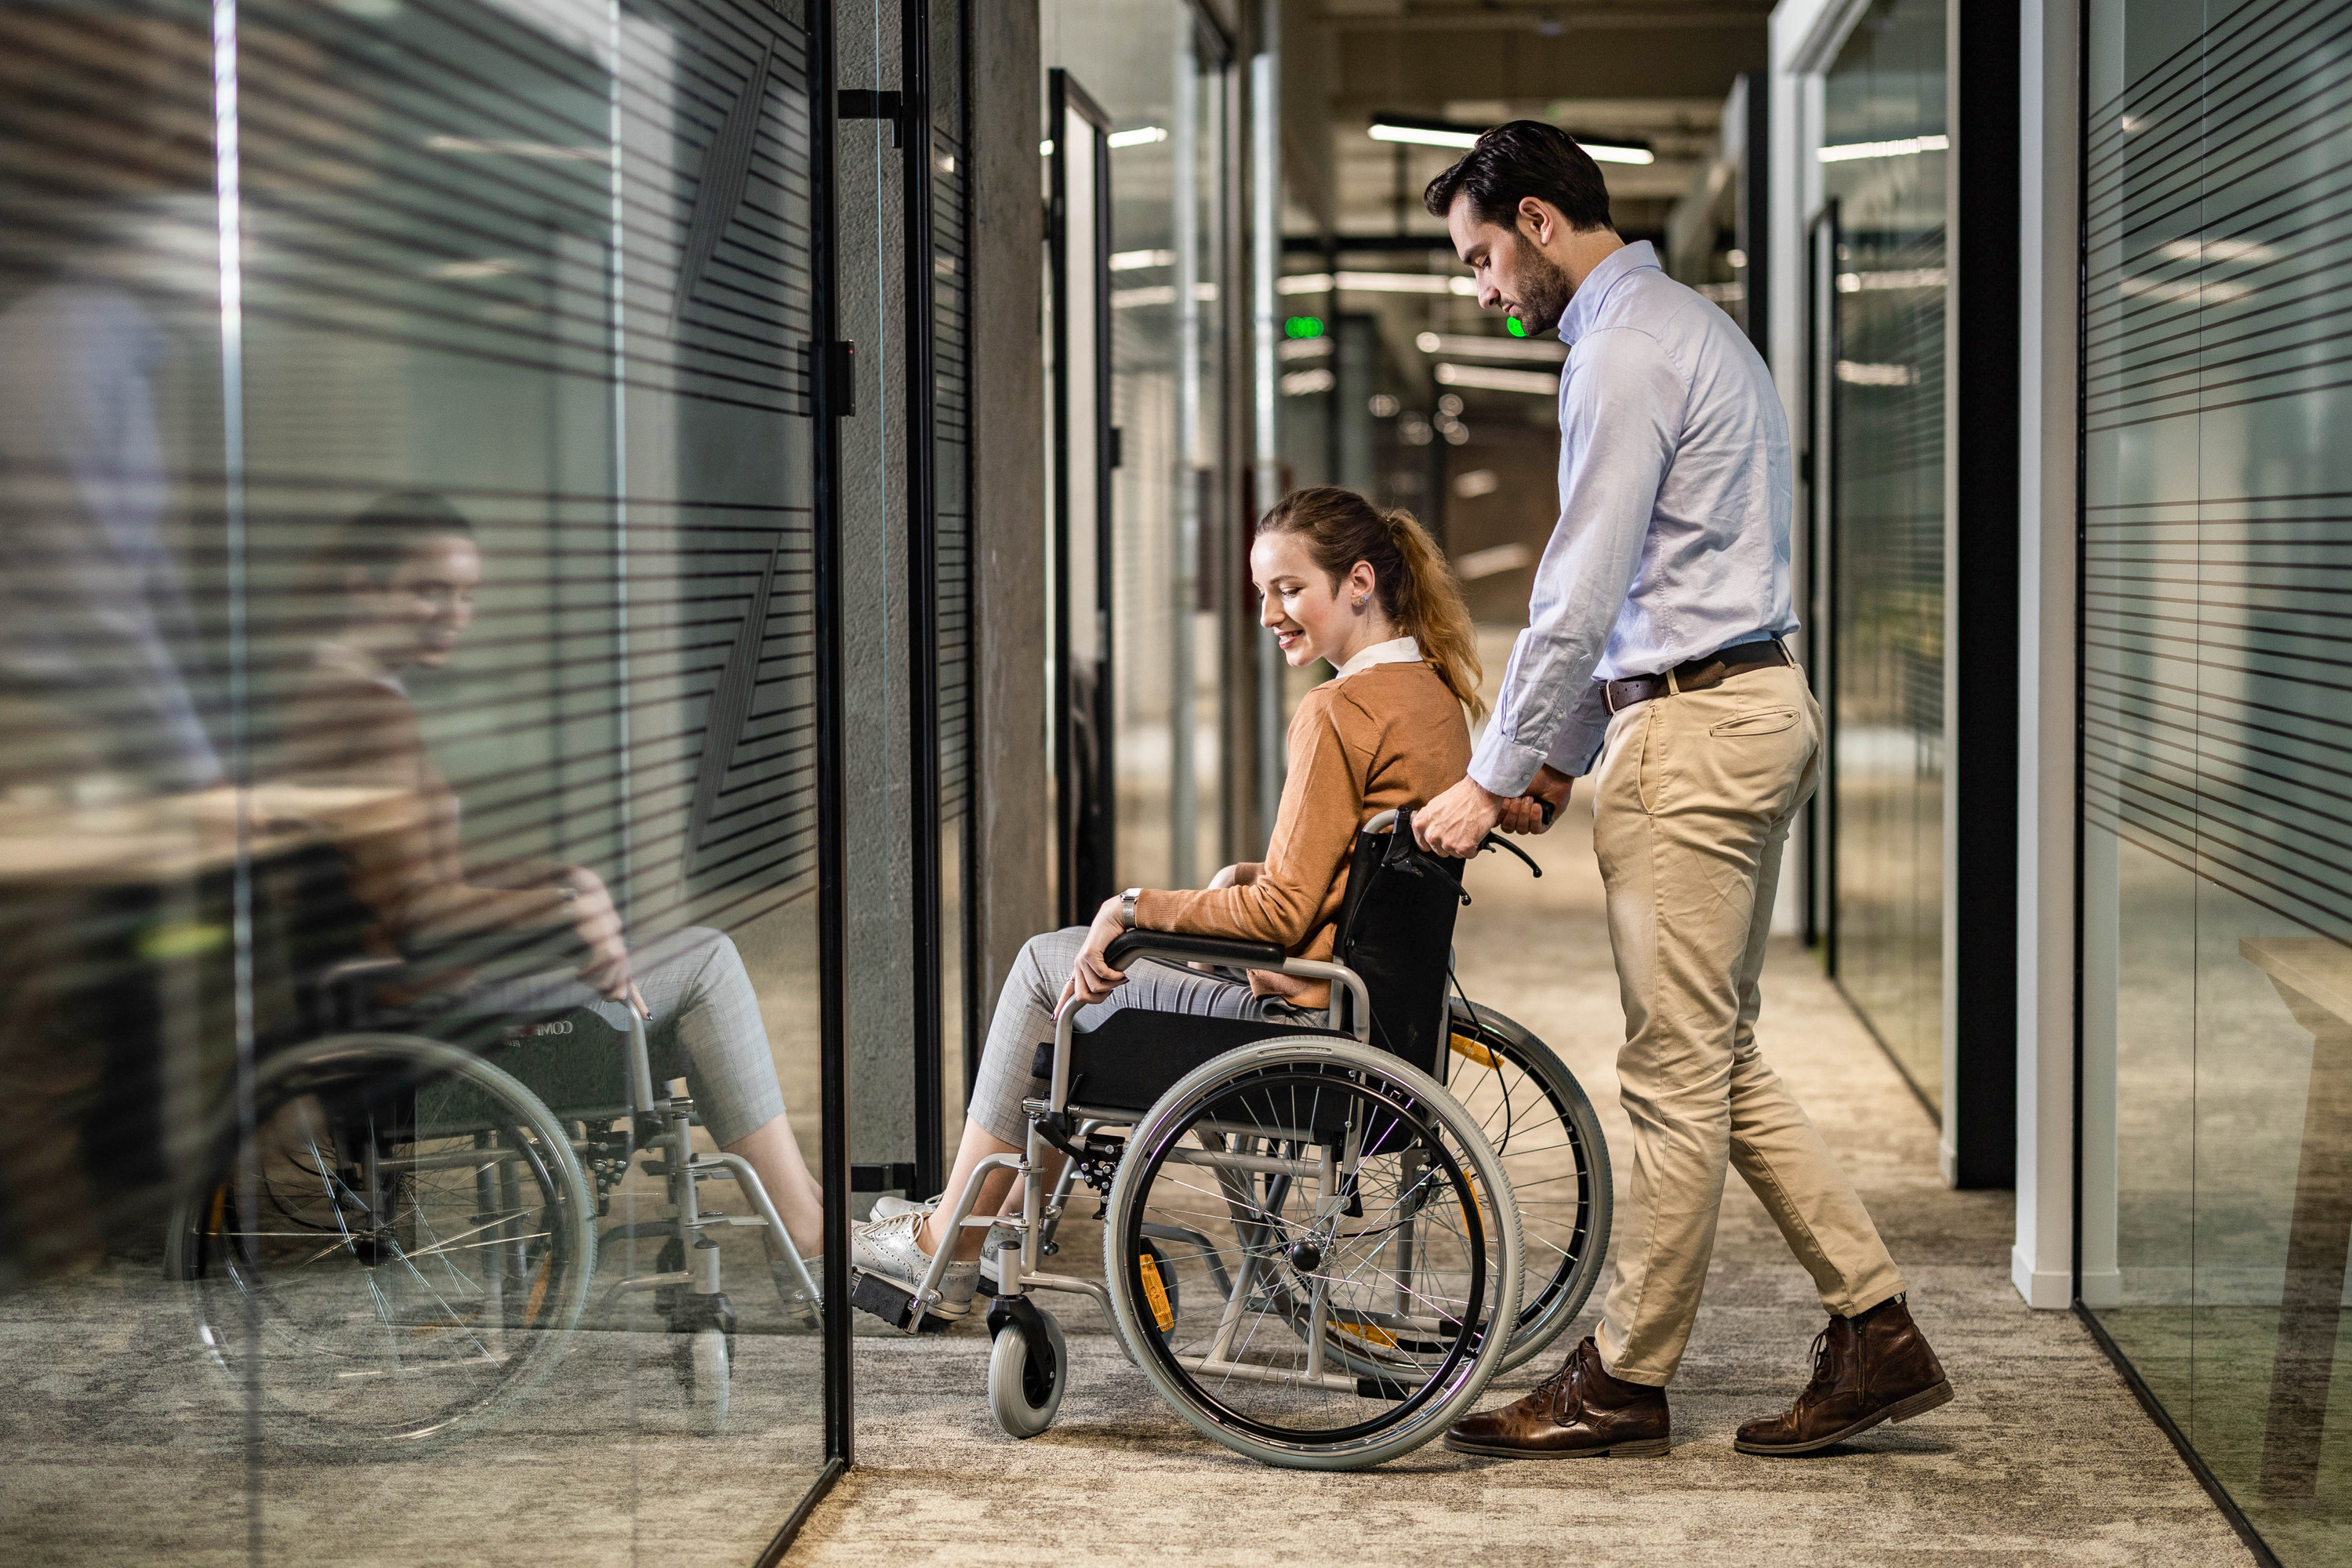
x=423, y=1149
x=1312, y=1246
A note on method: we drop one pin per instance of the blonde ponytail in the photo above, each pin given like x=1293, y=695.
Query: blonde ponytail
x=1427, y=603
x=1416, y=588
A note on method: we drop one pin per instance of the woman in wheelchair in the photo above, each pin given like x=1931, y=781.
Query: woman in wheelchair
x=400, y=580
x=1340, y=580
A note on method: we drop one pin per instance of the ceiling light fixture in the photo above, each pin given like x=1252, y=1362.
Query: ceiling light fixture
x=1543, y=351
x=1419, y=131
x=1491, y=378
x=1423, y=132
x=1902, y=147
x=1142, y=136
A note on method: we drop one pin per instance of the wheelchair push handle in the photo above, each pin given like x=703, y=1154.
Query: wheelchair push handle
x=1388, y=821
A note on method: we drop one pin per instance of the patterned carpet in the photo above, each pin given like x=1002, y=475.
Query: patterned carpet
x=2043, y=1458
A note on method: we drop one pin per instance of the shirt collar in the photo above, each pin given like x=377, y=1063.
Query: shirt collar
x=359, y=664
x=1576, y=319
x=1397, y=650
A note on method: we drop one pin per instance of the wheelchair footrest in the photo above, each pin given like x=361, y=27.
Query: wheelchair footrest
x=889, y=1303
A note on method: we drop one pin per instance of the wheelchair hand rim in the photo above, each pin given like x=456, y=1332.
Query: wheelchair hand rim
x=1461, y=1356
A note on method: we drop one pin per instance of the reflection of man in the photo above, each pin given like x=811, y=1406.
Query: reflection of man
x=93, y=618
x=1654, y=647
x=93, y=625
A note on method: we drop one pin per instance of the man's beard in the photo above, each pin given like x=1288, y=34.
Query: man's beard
x=1544, y=288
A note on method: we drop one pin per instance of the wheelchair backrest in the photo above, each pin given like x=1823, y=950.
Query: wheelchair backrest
x=1396, y=930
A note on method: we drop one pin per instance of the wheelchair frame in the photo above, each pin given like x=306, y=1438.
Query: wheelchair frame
x=658, y=1124
x=1351, y=1020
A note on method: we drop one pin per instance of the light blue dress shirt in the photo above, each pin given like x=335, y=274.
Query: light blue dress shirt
x=1675, y=496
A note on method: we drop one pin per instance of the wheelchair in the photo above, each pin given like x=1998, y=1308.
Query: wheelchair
x=1313, y=1245
x=398, y=1232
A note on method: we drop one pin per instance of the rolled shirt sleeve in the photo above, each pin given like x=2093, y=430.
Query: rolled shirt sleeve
x=1620, y=417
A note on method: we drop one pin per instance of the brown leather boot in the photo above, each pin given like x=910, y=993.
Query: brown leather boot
x=1578, y=1413
x=1872, y=1367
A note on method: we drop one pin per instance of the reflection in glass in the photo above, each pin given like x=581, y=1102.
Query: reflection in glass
x=406, y=629
x=1149, y=65
x=2217, y=832
x=1882, y=161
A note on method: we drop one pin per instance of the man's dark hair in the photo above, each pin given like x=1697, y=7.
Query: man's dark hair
x=1524, y=158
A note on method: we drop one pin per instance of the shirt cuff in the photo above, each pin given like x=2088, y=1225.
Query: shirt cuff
x=1503, y=766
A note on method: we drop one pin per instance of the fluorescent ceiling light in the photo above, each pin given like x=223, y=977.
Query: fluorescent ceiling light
x=1300, y=382
x=1142, y=136
x=1544, y=351
x=1493, y=378
x=1494, y=558
x=1159, y=294
x=1422, y=132
x=1895, y=278
x=1905, y=147
x=1136, y=260
x=1424, y=136
x=1374, y=283
x=1855, y=373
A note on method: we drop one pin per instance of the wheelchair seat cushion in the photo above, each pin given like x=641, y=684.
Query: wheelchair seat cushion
x=1135, y=1055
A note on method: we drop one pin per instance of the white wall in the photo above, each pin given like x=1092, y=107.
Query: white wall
x=2041, y=1266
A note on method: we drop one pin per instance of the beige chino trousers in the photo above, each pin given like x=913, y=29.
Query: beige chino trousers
x=1693, y=801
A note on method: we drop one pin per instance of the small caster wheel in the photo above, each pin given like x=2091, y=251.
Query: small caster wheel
x=1025, y=1378
x=708, y=1381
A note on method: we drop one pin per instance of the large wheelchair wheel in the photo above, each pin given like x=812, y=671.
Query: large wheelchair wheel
x=1303, y=1242
x=396, y=1248
x=1543, y=1128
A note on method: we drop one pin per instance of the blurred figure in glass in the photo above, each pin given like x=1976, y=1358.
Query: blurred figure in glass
x=402, y=578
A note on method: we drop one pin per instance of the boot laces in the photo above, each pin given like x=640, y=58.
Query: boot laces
x=1559, y=1391
x=1824, y=1379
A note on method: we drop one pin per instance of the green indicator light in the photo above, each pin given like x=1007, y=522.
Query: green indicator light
x=1303, y=327
x=1514, y=326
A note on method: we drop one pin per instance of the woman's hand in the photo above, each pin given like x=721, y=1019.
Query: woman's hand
x=598, y=925
x=1091, y=979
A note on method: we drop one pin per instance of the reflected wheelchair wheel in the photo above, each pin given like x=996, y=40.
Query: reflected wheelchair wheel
x=394, y=1251
x=1336, y=1230
x=709, y=1378
x=1548, y=1141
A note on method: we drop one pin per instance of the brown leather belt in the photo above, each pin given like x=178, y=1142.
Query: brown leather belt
x=1698, y=674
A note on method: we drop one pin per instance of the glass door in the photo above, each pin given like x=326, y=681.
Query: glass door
x=419, y=530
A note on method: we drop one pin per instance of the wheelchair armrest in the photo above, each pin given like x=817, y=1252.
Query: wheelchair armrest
x=340, y=988
x=1128, y=946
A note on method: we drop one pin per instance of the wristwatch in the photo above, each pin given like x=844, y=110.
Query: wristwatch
x=1126, y=907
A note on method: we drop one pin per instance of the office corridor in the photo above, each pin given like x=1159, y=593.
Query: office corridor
x=2043, y=1456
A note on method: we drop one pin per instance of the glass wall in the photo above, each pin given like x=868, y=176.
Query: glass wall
x=1164, y=76
x=407, y=697
x=2216, y=737
x=1882, y=155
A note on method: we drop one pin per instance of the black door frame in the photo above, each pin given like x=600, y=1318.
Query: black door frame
x=1822, y=347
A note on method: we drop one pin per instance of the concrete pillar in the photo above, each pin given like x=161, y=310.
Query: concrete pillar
x=1015, y=848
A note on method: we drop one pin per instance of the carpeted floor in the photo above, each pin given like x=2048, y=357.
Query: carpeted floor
x=2043, y=1458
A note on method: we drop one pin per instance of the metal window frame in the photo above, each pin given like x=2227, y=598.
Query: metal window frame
x=1064, y=98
